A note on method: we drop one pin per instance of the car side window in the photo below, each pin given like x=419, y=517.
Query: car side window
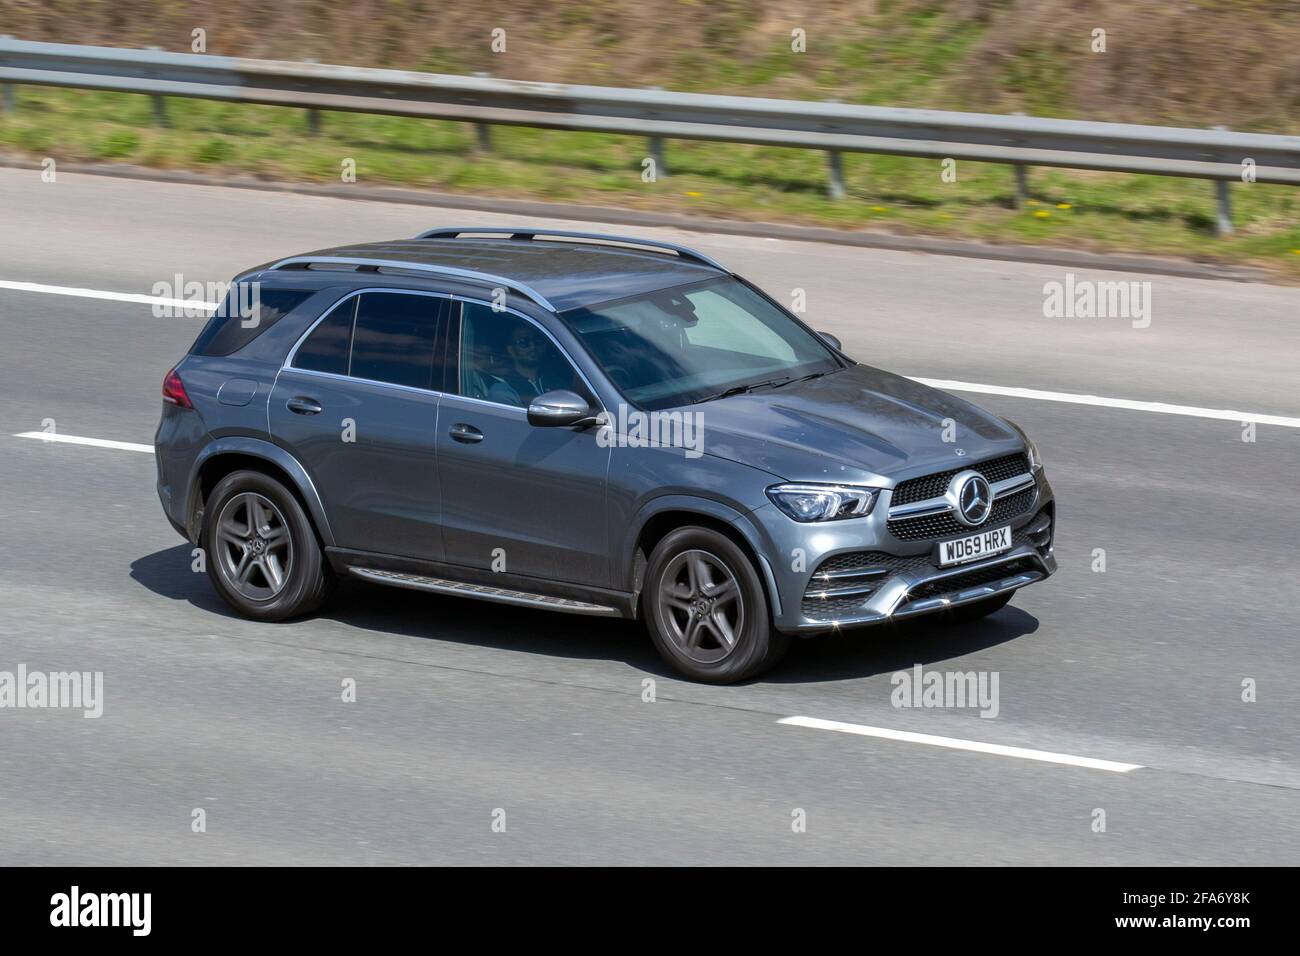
x=393, y=338
x=508, y=360
x=327, y=348
x=244, y=315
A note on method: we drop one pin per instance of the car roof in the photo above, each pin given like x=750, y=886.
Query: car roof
x=569, y=274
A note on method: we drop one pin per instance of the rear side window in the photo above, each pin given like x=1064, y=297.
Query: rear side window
x=243, y=316
x=381, y=336
x=326, y=349
x=393, y=339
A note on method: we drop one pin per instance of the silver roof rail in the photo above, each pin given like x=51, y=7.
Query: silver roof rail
x=685, y=252
x=376, y=264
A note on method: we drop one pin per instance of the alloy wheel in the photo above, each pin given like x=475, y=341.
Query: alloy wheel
x=254, y=550
x=701, y=606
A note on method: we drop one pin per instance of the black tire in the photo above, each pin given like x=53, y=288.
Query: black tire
x=966, y=613
x=306, y=579
x=690, y=554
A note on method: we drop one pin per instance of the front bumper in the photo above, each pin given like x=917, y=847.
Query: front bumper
x=877, y=577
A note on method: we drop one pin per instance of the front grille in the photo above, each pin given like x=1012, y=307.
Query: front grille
x=960, y=582
x=932, y=486
x=946, y=525
x=829, y=608
x=866, y=571
x=868, y=560
x=861, y=571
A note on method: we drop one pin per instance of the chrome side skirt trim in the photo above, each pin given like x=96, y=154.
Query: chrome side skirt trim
x=483, y=592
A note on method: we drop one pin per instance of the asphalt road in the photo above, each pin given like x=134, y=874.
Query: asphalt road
x=465, y=709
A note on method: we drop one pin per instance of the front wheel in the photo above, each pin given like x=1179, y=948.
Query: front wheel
x=262, y=554
x=706, y=610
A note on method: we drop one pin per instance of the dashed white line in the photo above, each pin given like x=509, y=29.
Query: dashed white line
x=1074, y=398
x=956, y=743
x=110, y=296
x=95, y=442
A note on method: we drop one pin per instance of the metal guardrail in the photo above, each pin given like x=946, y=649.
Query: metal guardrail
x=1219, y=155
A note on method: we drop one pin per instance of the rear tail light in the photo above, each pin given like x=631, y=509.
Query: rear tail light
x=174, y=391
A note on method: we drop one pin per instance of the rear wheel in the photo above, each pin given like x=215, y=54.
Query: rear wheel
x=706, y=610
x=262, y=554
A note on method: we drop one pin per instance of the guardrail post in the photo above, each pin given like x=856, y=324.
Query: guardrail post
x=1223, y=205
x=1223, y=212
x=313, y=116
x=656, y=146
x=159, y=106
x=482, y=131
x=1022, y=186
x=835, y=169
x=1021, y=196
x=7, y=104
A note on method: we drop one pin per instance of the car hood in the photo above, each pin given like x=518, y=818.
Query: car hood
x=859, y=424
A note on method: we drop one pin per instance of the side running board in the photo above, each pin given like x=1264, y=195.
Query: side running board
x=483, y=591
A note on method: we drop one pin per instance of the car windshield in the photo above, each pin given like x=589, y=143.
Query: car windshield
x=694, y=342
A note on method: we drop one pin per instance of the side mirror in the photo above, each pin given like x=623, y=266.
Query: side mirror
x=560, y=407
x=832, y=341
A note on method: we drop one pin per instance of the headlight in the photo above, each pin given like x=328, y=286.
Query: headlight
x=1031, y=450
x=1035, y=457
x=823, y=502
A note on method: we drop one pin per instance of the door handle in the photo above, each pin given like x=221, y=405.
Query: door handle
x=303, y=405
x=465, y=433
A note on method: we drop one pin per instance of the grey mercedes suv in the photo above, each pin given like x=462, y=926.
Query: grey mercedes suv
x=590, y=424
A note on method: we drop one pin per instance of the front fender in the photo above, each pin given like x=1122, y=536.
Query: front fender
x=709, y=507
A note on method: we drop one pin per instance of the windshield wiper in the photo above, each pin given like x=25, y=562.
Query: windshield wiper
x=804, y=378
x=741, y=390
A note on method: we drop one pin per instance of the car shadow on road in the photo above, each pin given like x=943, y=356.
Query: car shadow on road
x=847, y=655
x=409, y=613
x=170, y=574
x=885, y=649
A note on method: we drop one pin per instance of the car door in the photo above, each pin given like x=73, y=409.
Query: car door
x=517, y=498
x=355, y=404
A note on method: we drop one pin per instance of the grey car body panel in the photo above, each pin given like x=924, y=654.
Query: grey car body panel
x=371, y=453
x=565, y=507
x=855, y=425
x=524, y=499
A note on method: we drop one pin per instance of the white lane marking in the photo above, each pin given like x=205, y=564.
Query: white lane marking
x=955, y=743
x=96, y=442
x=1073, y=398
x=111, y=296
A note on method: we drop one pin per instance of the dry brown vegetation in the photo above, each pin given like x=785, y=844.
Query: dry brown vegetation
x=1183, y=62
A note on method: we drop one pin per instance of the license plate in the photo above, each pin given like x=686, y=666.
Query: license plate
x=974, y=546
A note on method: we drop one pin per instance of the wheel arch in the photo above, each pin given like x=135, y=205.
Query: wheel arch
x=226, y=455
x=665, y=514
